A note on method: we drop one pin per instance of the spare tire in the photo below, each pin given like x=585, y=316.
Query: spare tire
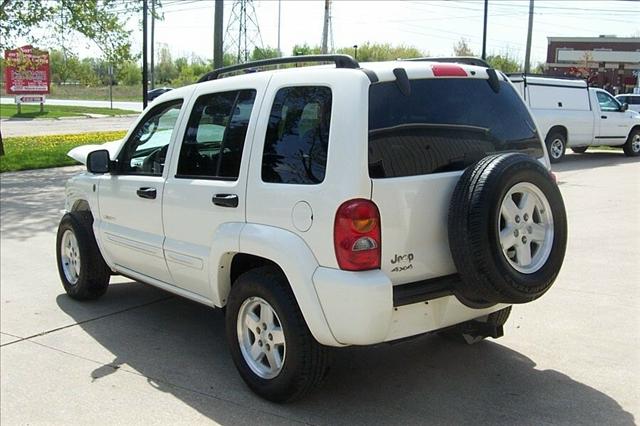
x=507, y=231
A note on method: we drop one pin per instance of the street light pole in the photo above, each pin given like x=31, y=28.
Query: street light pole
x=484, y=31
x=144, y=53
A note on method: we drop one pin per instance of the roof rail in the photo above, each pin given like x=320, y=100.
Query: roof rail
x=341, y=61
x=559, y=77
x=469, y=60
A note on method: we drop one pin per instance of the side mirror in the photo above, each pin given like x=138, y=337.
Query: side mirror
x=99, y=162
x=624, y=107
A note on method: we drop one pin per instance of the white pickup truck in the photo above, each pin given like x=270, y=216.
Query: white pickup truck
x=571, y=114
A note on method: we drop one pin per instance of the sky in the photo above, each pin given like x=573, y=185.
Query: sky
x=431, y=26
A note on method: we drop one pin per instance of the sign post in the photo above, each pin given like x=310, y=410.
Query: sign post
x=110, y=86
x=27, y=75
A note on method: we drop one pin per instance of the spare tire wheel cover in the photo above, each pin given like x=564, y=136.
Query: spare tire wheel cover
x=507, y=231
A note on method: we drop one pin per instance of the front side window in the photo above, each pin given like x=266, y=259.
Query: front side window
x=146, y=150
x=607, y=102
x=297, y=139
x=214, y=140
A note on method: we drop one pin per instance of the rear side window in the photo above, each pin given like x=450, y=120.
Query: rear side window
x=214, y=140
x=444, y=125
x=297, y=139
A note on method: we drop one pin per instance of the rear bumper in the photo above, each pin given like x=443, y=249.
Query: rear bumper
x=364, y=308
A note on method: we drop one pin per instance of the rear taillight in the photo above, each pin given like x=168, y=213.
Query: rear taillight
x=356, y=235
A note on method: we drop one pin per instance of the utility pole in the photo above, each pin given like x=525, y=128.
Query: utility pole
x=484, y=31
x=527, y=58
x=325, y=27
x=144, y=53
x=153, y=32
x=217, y=34
x=279, y=7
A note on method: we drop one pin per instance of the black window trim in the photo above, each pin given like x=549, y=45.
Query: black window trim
x=119, y=164
x=233, y=107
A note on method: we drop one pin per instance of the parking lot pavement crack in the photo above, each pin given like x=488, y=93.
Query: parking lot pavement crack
x=114, y=367
x=44, y=333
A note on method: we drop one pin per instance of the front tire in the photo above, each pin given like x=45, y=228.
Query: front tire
x=579, y=149
x=556, y=146
x=83, y=272
x=270, y=343
x=632, y=146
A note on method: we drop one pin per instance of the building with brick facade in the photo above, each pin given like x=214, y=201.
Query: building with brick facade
x=606, y=61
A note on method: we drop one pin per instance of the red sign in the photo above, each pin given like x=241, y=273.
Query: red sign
x=26, y=71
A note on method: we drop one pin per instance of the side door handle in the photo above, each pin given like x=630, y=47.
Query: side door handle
x=147, y=192
x=604, y=117
x=225, y=200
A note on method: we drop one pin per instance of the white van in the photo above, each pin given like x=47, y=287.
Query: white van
x=569, y=113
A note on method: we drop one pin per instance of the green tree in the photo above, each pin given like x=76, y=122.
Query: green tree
x=86, y=73
x=461, y=48
x=305, y=49
x=165, y=69
x=264, y=53
x=506, y=62
x=101, y=21
x=370, y=52
x=129, y=74
x=64, y=66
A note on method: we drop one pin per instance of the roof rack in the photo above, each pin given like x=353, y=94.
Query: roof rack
x=469, y=60
x=341, y=61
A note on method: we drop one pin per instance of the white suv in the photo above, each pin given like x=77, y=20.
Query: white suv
x=324, y=206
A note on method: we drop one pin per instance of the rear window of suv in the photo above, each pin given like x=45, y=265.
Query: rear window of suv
x=444, y=125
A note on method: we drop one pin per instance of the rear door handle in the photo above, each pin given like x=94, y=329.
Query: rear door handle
x=147, y=192
x=603, y=117
x=225, y=200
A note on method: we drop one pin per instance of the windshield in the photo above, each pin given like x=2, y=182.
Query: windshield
x=444, y=125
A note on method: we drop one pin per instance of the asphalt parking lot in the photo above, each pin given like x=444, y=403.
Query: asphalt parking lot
x=142, y=356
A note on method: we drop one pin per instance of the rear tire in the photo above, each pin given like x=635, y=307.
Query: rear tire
x=83, y=271
x=265, y=293
x=579, y=149
x=632, y=146
x=556, y=146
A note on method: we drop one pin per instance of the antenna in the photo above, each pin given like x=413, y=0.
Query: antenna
x=243, y=33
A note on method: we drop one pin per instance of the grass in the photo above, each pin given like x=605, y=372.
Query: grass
x=56, y=111
x=39, y=152
x=99, y=93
